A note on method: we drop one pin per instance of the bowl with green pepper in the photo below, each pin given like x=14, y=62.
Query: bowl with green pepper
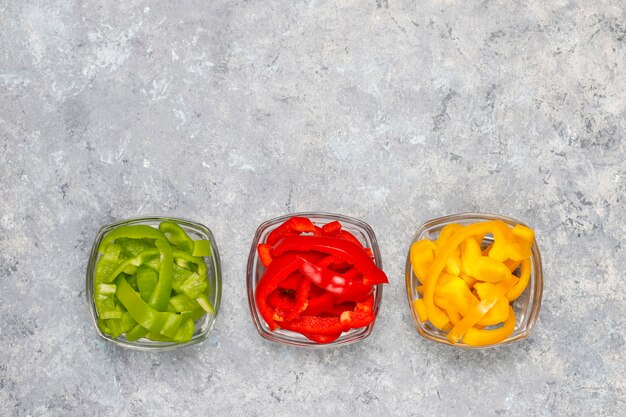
x=154, y=283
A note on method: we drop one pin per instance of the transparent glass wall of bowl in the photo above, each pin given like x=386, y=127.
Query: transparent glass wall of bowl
x=255, y=270
x=526, y=307
x=204, y=326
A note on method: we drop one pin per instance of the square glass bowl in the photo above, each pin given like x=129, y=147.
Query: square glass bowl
x=361, y=230
x=204, y=325
x=526, y=306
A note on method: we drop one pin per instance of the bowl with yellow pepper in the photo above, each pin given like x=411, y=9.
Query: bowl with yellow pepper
x=474, y=280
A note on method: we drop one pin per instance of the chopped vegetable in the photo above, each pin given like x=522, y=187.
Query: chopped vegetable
x=467, y=290
x=151, y=283
x=318, y=281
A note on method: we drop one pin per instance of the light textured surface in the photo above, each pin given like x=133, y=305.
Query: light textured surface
x=230, y=113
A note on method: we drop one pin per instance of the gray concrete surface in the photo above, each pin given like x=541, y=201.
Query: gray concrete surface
x=233, y=112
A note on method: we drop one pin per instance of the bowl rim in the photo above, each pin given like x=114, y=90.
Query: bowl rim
x=536, y=279
x=154, y=345
x=251, y=280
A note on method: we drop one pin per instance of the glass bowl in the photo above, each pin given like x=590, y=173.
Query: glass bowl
x=255, y=270
x=526, y=306
x=204, y=325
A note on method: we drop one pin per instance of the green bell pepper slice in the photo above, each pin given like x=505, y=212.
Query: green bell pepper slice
x=133, y=247
x=177, y=236
x=201, y=248
x=137, y=333
x=139, y=231
x=147, y=279
x=153, y=320
x=107, y=262
x=136, y=261
x=187, y=259
x=163, y=289
x=181, y=303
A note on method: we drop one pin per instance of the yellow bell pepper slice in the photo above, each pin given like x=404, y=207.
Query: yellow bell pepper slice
x=454, y=289
x=485, y=268
x=471, y=319
x=478, y=337
x=525, y=234
x=445, y=234
x=422, y=255
x=524, y=277
x=470, y=250
x=505, y=245
x=512, y=265
x=486, y=289
x=498, y=314
x=453, y=265
x=469, y=281
x=421, y=309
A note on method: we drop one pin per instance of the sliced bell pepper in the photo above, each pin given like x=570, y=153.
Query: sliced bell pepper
x=292, y=281
x=293, y=226
x=322, y=338
x=201, y=248
x=471, y=319
x=161, y=294
x=264, y=254
x=521, y=285
x=279, y=269
x=345, y=235
x=177, y=236
x=340, y=285
x=133, y=232
x=479, y=337
x=421, y=254
x=147, y=279
x=300, y=302
x=280, y=300
x=133, y=247
x=331, y=229
x=144, y=314
x=436, y=316
x=361, y=316
x=347, y=251
x=318, y=284
x=321, y=304
x=136, y=261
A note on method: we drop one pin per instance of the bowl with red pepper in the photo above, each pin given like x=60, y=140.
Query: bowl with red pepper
x=315, y=279
x=154, y=283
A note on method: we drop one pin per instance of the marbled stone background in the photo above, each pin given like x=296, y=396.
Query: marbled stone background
x=233, y=112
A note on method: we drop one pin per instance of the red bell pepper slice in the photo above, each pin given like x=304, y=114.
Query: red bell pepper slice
x=292, y=281
x=314, y=325
x=334, y=263
x=345, y=235
x=321, y=304
x=264, y=254
x=339, y=309
x=300, y=303
x=293, y=226
x=343, y=287
x=278, y=270
x=278, y=299
x=343, y=249
x=361, y=316
x=322, y=338
x=331, y=229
